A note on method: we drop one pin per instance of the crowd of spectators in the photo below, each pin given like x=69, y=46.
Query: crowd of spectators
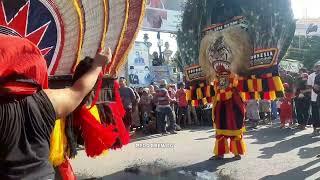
x=161, y=108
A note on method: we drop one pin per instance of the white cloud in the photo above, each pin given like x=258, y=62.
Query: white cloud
x=303, y=8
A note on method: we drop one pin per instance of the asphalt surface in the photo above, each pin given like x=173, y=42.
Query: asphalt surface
x=273, y=154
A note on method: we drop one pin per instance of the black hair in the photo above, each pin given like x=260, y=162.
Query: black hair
x=73, y=134
x=181, y=84
x=82, y=68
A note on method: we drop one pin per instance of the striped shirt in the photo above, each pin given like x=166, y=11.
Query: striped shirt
x=162, y=98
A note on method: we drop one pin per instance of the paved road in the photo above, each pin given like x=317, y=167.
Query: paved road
x=273, y=153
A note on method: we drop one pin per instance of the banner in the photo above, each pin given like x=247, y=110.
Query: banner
x=290, y=65
x=163, y=15
x=309, y=27
x=160, y=72
x=139, y=65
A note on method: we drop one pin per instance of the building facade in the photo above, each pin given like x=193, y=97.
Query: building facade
x=310, y=27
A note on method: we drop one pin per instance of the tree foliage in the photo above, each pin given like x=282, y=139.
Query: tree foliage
x=188, y=37
x=305, y=49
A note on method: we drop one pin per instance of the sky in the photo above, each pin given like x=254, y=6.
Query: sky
x=166, y=37
x=301, y=9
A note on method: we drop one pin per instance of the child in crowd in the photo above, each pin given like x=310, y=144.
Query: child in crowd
x=146, y=106
x=286, y=107
x=265, y=111
x=278, y=102
x=253, y=112
x=274, y=110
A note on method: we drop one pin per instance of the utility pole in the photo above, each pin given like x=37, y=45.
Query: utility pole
x=159, y=45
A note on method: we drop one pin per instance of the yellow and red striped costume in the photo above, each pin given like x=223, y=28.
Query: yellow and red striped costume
x=228, y=117
x=228, y=106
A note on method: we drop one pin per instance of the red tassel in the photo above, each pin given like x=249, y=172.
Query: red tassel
x=196, y=103
x=240, y=85
x=271, y=84
x=266, y=95
x=118, y=114
x=255, y=84
x=65, y=171
x=97, y=138
x=236, y=99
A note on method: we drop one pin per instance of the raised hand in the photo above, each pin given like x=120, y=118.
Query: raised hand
x=103, y=57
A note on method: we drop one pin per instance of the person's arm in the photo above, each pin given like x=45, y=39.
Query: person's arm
x=177, y=96
x=143, y=100
x=316, y=86
x=67, y=100
x=137, y=97
x=132, y=96
x=310, y=82
x=155, y=99
x=168, y=97
x=150, y=98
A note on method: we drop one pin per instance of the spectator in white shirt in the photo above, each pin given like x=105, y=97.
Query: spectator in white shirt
x=315, y=118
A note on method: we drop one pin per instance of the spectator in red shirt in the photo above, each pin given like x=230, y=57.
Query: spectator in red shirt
x=181, y=97
x=286, y=114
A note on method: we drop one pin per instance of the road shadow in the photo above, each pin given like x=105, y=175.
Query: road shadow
x=298, y=173
x=287, y=145
x=306, y=152
x=205, y=138
x=208, y=168
x=270, y=133
x=211, y=131
x=140, y=136
x=199, y=128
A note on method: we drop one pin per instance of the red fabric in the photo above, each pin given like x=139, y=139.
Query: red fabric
x=66, y=171
x=19, y=56
x=223, y=96
x=221, y=145
x=231, y=119
x=97, y=138
x=209, y=100
x=196, y=103
x=238, y=101
x=181, y=98
x=240, y=86
x=286, y=114
x=20, y=88
x=255, y=84
x=118, y=113
x=217, y=112
x=266, y=95
x=271, y=84
x=229, y=114
x=236, y=148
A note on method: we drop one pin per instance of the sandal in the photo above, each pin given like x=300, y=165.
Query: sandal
x=237, y=157
x=217, y=157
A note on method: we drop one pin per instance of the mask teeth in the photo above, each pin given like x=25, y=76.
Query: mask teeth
x=262, y=55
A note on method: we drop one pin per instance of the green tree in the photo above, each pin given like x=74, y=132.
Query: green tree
x=305, y=50
x=189, y=36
